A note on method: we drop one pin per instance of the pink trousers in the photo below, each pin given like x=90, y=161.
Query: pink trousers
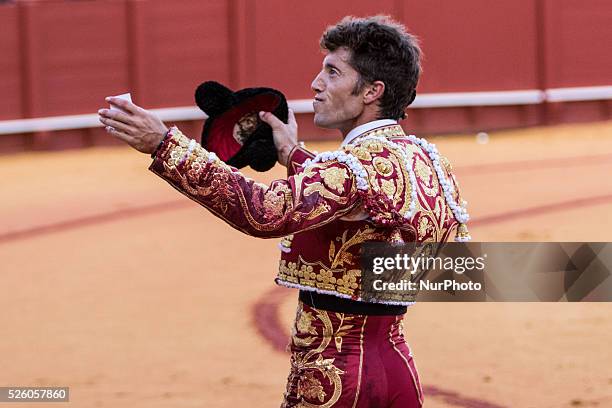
x=343, y=360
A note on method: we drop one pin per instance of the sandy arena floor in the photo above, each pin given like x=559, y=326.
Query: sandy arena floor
x=115, y=285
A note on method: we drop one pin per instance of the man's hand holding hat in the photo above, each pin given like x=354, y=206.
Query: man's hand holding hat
x=248, y=127
x=285, y=134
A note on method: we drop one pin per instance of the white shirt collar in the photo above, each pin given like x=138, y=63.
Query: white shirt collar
x=361, y=129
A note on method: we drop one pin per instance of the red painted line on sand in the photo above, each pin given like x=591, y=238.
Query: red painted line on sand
x=455, y=399
x=92, y=220
x=538, y=164
x=266, y=318
x=539, y=210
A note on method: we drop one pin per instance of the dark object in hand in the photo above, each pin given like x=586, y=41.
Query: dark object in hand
x=233, y=130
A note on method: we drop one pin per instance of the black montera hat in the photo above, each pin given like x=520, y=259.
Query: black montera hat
x=233, y=130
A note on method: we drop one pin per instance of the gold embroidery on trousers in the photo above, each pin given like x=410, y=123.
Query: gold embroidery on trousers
x=304, y=365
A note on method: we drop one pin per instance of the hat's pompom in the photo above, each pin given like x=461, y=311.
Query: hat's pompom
x=214, y=98
x=263, y=154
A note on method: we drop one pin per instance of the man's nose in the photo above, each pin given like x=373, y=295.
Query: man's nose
x=317, y=84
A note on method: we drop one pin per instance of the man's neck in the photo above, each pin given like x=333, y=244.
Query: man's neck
x=355, y=123
x=366, y=127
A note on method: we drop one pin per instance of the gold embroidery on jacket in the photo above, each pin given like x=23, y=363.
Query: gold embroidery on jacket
x=373, y=146
x=388, y=187
x=383, y=166
x=386, y=174
x=332, y=251
x=298, y=179
x=424, y=173
x=219, y=188
x=275, y=201
x=334, y=276
x=343, y=255
x=303, y=273
x=446, y=163
x=326, y=279
x=273, y=205
x=334, y=177
x=295, y=200
x=424, y=226
x=222, y=193
x=324, y=192
x=321, y=209
x=360, y=152
x=348, y=283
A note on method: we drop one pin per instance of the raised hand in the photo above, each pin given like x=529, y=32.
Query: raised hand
x=136, y=126
x=285, y=134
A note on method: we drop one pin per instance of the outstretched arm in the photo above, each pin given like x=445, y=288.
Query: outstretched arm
x=318, y=194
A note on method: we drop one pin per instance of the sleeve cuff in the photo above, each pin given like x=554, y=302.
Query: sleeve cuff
x=297, y=157
x=161, y=143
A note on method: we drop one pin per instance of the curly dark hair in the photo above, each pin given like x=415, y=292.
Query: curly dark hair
x=381, y=50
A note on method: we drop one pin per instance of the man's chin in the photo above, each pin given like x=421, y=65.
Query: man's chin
x=320, y=121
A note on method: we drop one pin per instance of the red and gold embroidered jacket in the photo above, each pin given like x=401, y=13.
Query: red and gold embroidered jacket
x=383, y=186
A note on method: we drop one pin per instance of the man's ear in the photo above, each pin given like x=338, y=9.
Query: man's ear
x=374, y=92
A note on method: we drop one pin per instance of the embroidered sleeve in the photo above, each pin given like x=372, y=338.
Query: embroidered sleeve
x=297, y=157
x=318, y=194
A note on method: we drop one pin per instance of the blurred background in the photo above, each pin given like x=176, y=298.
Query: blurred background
x=117, y=286
x=487, y=65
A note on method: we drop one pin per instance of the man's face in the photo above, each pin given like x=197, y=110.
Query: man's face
x=335, y=106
